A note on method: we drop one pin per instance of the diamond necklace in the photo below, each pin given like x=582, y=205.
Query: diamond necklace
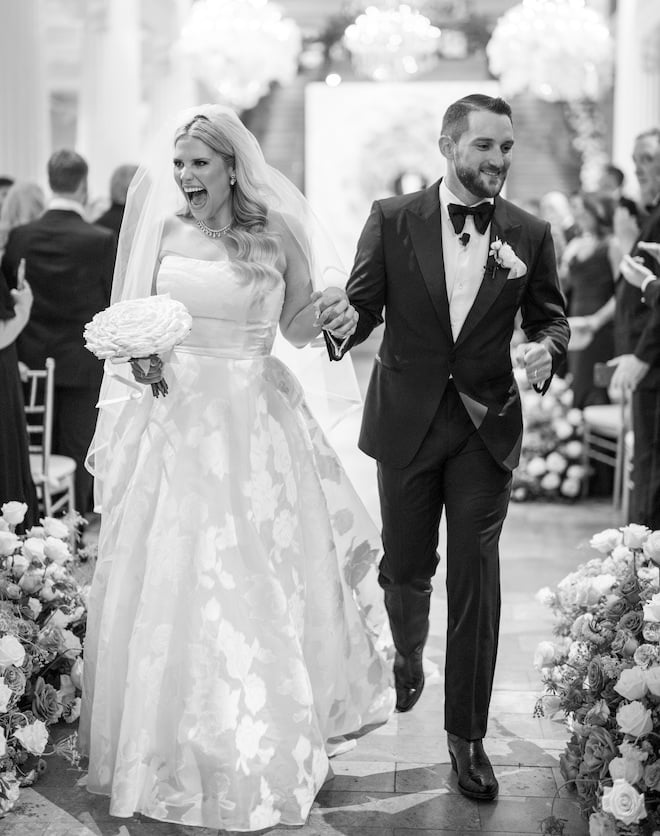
x=213, y=233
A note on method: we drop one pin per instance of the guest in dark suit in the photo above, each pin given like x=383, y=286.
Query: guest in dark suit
x=637, y=343
x=69, y=265
x=119, y=183
x=451, y=265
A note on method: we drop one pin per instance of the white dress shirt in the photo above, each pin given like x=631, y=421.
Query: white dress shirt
x=67, y=205
x=464, y=264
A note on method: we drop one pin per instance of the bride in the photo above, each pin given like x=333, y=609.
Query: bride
x=236, y=631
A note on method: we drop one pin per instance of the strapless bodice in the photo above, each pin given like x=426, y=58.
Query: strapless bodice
x=235, y=306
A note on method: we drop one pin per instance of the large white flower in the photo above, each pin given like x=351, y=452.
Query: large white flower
x=634, y=718
x=632, y=684
x=606, y=540
x=6, y=694
x=14, y=512
x=54, y=528
x=137, y=328
x=652, y=608
x=12, y=652
x=33, y=737
x=9, y=542
x=624, y=802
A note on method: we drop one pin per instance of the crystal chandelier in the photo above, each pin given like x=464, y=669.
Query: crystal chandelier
x=559, y=50
x=238, y=48
x=392, y=43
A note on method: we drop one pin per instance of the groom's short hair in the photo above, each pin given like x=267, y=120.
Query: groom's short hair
x=455, y=120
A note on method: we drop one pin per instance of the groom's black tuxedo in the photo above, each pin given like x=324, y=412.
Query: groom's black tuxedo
x=443, y=419
x=399, y=267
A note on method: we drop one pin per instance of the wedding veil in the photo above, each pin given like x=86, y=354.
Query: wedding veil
x=331, y=389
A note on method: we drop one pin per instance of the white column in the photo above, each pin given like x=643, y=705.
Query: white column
x=110, y=114
x=24, y=110
x=170, y=86
x=637, y=79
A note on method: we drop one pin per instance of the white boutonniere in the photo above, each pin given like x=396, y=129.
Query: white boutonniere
x=506, y=258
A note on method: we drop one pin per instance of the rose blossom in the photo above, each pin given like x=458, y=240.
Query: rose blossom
x=602, y=824
x=55, y=528
x=56, y=550
x=652, y=547
x=634, y=719
x=544, y=655
x=652, y=608
x=628, y=769
x=45, y=703
x=15, y=679
x=632, y=684
x=14, y=512
x=606, y=540
x=35, y=607
x=12, y=652
x=33, y=548
x=33, y=737
x=634, y=536
x=652, y=776
x=70, y=645
x=652, y=676
x=550, y=482
x=571, y=487
x=31, y=582
x=9, y=542
x=632, y=622
x=570, y=759
x=598, y=752
x=536, y=467
x=624, y=802
x=646, y=655
x=598, y=714
x=651, y=631
x=5, y=695
x=621, y=552
x=137, y=328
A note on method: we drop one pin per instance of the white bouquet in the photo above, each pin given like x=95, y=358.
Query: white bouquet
x=139, y=330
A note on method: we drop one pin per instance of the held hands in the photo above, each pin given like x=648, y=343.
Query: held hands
x=634, y=270
x=334, y=313
x=536, y=360
x=149, y=370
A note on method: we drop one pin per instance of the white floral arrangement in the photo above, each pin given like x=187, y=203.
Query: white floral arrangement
x=42, y=621
x=505, y=257
x=602, y=678
x=551, y=460
x=139, y=330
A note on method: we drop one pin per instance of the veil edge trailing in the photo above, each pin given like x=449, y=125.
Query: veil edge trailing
x=331, y=389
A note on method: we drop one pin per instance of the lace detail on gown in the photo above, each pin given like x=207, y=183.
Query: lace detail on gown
x=235, y=620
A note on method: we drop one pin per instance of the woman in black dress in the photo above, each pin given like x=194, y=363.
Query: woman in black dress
x=15, y=478
x=589, y=263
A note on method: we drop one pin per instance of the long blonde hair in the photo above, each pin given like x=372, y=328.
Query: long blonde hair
x=225, y=134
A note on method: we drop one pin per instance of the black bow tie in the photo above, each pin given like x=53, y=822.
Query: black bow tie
x=482, y=213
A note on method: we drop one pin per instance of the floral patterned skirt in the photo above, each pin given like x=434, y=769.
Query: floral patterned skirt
x=235, y=619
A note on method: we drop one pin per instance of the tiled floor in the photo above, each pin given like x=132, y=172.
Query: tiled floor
x=398, y=781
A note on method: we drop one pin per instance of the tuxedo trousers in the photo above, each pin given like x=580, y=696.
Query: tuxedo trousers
x=645, y=500
x=452, y=471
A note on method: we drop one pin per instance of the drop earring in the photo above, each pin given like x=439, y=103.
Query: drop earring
x=232, y=180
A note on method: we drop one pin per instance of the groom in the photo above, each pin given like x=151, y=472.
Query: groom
x=451, y=265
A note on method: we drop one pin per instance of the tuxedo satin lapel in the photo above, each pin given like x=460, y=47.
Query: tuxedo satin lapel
x=493, y=282
x=426, y=235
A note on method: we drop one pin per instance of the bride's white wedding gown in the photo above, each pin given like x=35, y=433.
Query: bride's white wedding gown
x=235, y=620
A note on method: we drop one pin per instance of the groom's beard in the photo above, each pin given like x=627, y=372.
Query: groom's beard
x=479, y=183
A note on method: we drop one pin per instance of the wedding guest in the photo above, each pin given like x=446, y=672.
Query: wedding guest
x=555, y=208
x=5, y=184
x=442, y=414
x=235, y=631
x=69, y=268
x=119, y=183
x=15, y=476
x=24, y=202
x=590, y=262
x=637, y=343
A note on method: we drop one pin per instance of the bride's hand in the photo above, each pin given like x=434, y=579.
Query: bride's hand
x=147, y=370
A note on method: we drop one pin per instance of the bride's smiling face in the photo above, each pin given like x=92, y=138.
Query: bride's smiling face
x=203, y=177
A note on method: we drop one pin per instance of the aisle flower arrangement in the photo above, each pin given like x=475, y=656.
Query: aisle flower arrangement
x=42, y=619
x=602, y=676
x=551, y=466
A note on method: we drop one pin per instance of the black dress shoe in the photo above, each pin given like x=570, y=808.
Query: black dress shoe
x=476, y=778
x=408, y=679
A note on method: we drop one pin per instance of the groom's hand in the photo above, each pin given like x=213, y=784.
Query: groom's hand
x=536, y=360
x=334, y=313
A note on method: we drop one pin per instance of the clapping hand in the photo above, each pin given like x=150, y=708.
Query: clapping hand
x=634, y=270
x=22, y=294
x=334, y=313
